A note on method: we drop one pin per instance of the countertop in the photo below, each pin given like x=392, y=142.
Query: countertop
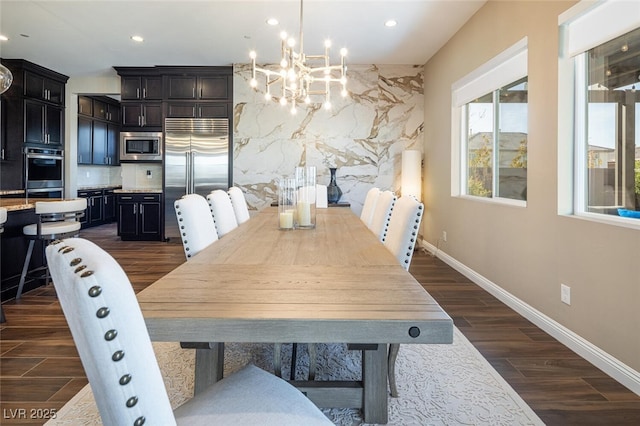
x=129, y=191
x=15, y=204
x=90, y=187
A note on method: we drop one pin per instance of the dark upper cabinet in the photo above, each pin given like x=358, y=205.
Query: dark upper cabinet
x=136, y=114
x=42, y=123
x=85, y=125
x=197, y=109
x=198, y=87
x=85, y=106
x=43, y=88
x=99, y=133
x=141, y=88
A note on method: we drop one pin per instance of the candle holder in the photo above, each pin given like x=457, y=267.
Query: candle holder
x=287, y=204
x=306, y=197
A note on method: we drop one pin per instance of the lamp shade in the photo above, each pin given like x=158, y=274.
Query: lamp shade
x=5, y=78
x=411, y=183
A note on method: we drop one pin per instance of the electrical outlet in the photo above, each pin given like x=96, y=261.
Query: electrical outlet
x=88, y=174
x=565, y=294
x=444, y=236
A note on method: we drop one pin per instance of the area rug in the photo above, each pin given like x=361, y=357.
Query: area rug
x=437, y=384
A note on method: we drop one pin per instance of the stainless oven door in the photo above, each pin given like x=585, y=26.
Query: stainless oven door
x=43, y=169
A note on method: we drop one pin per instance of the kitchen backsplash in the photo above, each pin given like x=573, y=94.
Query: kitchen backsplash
x=128, y=175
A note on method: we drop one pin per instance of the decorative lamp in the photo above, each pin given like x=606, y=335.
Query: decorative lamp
x=6, y=78
x=411, y=183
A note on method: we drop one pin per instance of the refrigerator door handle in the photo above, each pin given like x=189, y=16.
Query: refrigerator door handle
x=187, y=183
x=192, y=172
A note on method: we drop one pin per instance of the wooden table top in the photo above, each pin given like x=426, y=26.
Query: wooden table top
x=335, y=283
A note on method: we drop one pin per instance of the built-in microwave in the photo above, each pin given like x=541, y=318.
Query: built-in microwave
x=140, y=146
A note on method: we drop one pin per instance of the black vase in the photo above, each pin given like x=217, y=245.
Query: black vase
x=333, y=190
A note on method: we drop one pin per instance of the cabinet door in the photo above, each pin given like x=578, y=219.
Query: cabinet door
x=95, y=208
x=127, y=217
x=152, y=115
x=113, y=113
x=108, y=206
x=132, y=114
x=84, y=140
x=212, y=110
x=39, y=87
x=181, y=109
x=85, y=105
x=54, y=91
x=99, y=133
x=149, y=219
x=152, y=88
x=215, y=87
x=99, y=109
x=113, y=133
x=84, y=220
x=181, y=87
x=33, y=121
x=53, y=125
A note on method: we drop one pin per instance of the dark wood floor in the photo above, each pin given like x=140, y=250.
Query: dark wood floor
x=39, y=367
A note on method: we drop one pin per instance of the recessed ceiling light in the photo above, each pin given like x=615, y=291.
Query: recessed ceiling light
x=272, y=21
x=137, y=38
x=3, y=37
x=391, y=23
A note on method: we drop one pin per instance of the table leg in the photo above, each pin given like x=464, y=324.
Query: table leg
x=209, y=366
x=374, y=376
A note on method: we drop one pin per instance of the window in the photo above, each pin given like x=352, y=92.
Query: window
x=490, y=130
x=601, y=47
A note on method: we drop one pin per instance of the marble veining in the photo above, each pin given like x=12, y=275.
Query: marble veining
x=363, y=135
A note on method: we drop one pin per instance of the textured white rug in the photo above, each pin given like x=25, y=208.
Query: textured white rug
x=438, y=384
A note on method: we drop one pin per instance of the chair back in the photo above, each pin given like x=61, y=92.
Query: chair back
x=403, y=229
x=382, y=214
x=369, y=205
x=195, y=222
x=110, y=334
x=57, y=219
x=222, y=212
x=239, y=204
x=3, y=217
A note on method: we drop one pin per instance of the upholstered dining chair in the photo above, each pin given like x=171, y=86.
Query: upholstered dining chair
x=369, y=205
x=110, y=334
x=382, y=214
x=239, y=204
x=401, y=241
x=3, y=219
x=222, y=212
x=195, y=223
x=56, y=219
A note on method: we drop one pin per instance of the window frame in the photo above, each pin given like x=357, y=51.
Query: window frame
x=503, y=70
x=578, y=35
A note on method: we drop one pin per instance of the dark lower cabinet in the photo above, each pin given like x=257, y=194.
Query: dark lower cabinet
x=101, y=207
x=139, y=216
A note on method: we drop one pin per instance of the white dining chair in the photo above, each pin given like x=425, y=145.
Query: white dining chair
x=55, y=219
x=239, y=204
x=222, y=212
x=369, y=205
x=3, y=219
x=382, y=214
x=111, y=337
x=195, y=223
x=401, y=241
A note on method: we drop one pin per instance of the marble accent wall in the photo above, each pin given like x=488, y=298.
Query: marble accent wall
x=363, y=135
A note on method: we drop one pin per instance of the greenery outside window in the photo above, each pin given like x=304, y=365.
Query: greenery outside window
x=610, y=152
x=496, y=143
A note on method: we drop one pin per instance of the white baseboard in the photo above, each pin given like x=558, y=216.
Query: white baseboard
x=619, y=371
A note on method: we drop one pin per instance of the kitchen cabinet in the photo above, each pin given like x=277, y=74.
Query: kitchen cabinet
x=204, y=87
x=43, y=124
x=197, y=109
x=141, y=87
x=139, y=216
x=142, y=115
x=85, y=137
x=41, y=87
x=101, y=207
x=98, y=135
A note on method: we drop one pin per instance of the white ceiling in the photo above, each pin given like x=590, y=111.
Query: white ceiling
x=88, y=37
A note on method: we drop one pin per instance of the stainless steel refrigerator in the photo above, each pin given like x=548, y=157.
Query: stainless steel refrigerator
x=196, y=161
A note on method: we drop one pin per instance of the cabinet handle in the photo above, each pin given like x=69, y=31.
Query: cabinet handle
x=141, y=208
x=193, y=92
x=126, y=198
x=138, y=93
x=199, y=112
x=135, y=209
x=139, y=120
x=144, y=92
x=79, y=158
x=2, y=154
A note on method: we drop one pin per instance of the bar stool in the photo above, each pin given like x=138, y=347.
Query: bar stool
x=56, y=219
x=3, y=219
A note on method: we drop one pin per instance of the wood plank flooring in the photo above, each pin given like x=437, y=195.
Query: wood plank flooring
x=40, y=369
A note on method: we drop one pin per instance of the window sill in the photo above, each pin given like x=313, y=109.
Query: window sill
x=607, y=219
x=499, y=201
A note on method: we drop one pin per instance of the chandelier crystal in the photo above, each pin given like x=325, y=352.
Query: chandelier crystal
x=301, y=78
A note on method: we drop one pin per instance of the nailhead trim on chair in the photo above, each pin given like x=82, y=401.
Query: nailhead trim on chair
x=139, y=421
x=110, y=335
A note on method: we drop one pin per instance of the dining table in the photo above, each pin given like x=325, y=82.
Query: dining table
x=335, y=283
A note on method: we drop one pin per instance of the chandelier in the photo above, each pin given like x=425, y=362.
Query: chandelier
x=301, y=77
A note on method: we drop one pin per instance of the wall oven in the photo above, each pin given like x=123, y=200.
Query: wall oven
x=140, y=146
x=43, y=171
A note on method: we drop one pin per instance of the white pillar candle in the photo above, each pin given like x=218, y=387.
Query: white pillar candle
x=286, y=220
x=304, y=214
